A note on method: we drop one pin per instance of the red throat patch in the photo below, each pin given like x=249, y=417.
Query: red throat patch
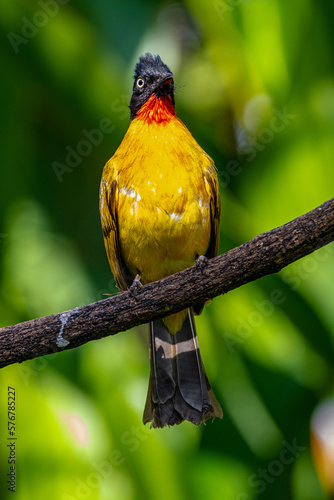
x=158, y=109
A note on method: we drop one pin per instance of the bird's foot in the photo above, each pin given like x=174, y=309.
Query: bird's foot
x=201, y=262
x=136, y=286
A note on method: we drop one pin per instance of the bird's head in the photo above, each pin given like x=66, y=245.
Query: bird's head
x=153, y=81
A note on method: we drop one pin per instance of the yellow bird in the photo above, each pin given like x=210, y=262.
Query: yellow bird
x=160, y=212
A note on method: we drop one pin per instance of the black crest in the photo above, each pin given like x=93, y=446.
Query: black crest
x=149, y=65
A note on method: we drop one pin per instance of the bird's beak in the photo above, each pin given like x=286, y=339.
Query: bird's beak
x=167, y=78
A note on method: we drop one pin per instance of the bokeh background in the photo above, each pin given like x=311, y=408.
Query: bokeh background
x=255, y=85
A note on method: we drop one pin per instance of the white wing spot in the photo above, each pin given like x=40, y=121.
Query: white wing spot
x=131, y=192
x=175, y=216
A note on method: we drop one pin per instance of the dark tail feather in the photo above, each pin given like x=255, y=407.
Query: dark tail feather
x=179, y=389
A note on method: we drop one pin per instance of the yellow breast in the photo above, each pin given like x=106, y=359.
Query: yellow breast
x=163, y=198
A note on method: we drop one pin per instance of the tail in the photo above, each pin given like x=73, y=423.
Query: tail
x=179, y=389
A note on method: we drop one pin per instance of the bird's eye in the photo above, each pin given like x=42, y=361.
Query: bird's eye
x=140, y=83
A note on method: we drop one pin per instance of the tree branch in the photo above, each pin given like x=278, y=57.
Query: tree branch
x=266, y=254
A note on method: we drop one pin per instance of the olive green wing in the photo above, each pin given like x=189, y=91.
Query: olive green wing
x=109, y=221
x=213, y=188
x=212, y=179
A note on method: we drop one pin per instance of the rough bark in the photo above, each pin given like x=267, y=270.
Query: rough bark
x=267, y=253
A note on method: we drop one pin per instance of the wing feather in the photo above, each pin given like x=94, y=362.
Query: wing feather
x=213, y=248
x=212, y=178
x=109, y=221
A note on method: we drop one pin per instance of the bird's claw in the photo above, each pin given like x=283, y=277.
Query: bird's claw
x=201, y=263
x=135, y=287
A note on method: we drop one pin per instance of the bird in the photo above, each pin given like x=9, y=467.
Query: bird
x=160, y=214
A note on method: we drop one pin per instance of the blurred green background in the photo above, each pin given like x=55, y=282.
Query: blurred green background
x=255, y=85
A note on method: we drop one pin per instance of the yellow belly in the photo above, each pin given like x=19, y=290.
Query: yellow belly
x=163, y=200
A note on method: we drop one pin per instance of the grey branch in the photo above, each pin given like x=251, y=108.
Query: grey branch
x=267, y=253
